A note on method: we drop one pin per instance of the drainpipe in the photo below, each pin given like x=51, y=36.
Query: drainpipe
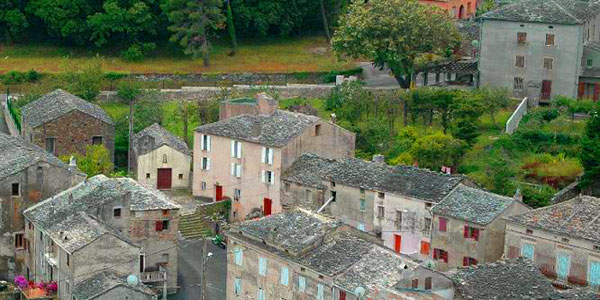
x=325, y=205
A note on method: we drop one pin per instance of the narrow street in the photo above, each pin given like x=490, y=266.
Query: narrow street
x=3, y=127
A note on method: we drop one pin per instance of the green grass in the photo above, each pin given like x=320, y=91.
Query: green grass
x=266, y=55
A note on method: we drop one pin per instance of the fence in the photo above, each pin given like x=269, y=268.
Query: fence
x=513, y=122
x=13, y=113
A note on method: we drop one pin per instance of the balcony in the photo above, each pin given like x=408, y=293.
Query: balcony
x=150, y=277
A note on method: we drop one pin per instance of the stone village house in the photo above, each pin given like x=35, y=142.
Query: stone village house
x=64, y=124
x=540, y=49
x=103, y=224
x=28, y=174
x=563, y=240
x=160, y=159
x=303, y=255
x=392, y=202
x=242, y=156
x=468, y=227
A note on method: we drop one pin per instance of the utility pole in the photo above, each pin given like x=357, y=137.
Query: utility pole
x=165, y=287
x=202, y=276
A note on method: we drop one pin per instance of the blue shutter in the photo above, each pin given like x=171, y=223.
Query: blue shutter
x=594, y=274
x=237, y=288
x=261, y=294
x=301, y=284
x=563, y=264
x=262, y=266
x=320, y=292
x=284, y=276
x=527, y=251
x=238, y=256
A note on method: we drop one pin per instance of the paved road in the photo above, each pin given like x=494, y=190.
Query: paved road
x=190, y=266
x=376, y=78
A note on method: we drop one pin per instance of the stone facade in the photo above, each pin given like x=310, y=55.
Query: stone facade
x=458, y=9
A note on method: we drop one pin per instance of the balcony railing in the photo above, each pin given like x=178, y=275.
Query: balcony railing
x=157, y=276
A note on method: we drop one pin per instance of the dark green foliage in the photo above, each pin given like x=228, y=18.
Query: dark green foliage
x=550, y=115
x=590, y=151
x=13, y=21
x=148, y=110
x=32, y=76
x=65, y=20
x=137, y=51
x=466, y=131
x=537, y=196
x=16, y=77
x=231, y=28
x=113, y=76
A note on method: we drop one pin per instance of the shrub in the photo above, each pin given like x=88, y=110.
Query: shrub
x=137, y=51
x=13, y=77
x=550, y=115
x=537, y=196
x=114, y=75
x=33, y=75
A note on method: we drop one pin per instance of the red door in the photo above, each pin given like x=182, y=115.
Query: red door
x=267, y=206
x=580, y=90
x=546, y=89
x=163, y=181
x=342, y=295
x=596, y=91
x=218, y=192
x=397, y=243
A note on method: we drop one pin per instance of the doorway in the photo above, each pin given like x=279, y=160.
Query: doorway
x=163, y=180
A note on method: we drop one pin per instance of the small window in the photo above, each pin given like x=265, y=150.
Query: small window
x=15, y=191
x=589, y=63
x=520, y=61
x=362, y=191
x=518, y=83
x=267, y=155
x=415, y=283
x=380, y=212
x=428, y=284
x=443, y=224
x=333, y=195
x=529, y=231
x=237, y=193
x=165, y=212
x=205, y=163
x=165, y=258
x=262, y=266
x=238, y=256
x=549, y=39
x=471, y=233
x=284, y=276
x=597, y=247
x=548, y=61
x=268, y=177
x=521, y=37
x=381, y=195
x=237, y=287
x=50, y=145
x=363, y=204
x=428, y=205
x=469, y=261
x=317, y=129
x=564, y=240
x=361, y=227
x=19, y=244
x=180, y=176
x=286, y=187
x=165, y=159
x=426, y=224
x=236, y=149
x=307, y=195
x=97, y=140
x=333, y=184
x=165, y=224
x=68, y=259
x=147, y=175
x=203, y=185
x=301, y=284
x=205, y=141
x=117, y=212
x=439, y=254
x=236, y=170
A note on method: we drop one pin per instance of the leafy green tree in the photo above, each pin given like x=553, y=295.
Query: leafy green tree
x=394, y=33
x=83, y=80
x=590, y=151
x=65, y=19
x=96, y=161
x=193, y=23
x=12, y=20
x=494, y=99
x=128, y=91
x=231, y=28
x=466, y=130
x=437, y=150
x=444, y=104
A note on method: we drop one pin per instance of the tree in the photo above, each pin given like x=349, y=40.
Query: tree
x=65, y=19
x=325, y=23
x=437, y=150
x=83, y=80
x=128, y=91
x=444, y=105
x=590, y=151
x=494, y=99
x=394, y=33
x=12, y=19
x=96, y=161
x=231, y=28
x=193, y=23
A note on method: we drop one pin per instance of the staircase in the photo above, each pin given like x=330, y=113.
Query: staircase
x=193, y=226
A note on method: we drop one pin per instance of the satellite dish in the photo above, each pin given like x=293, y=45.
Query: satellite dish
x=132, y=280
x=360, y=292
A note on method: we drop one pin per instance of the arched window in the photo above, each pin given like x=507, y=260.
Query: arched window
x=469, y=9
x=461, y=12
x=164, y=158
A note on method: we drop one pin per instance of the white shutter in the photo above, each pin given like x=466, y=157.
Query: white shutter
x=270, y=156
x=232, y=169
x=239, y=170
x=264, y=176
x=208, y=143
x=272, y=177
x=239, y=149
x=264, y=154
x=208, y=164
x=232, y=148
x=202, y=142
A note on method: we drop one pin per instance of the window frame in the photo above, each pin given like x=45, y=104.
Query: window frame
x=517, y=60
x=53, y=140
x=518, y=83
x=118, y=209
x=18, y=189
x=553, y=40
x=551, y=64
x=94, y=138
x=522, y=38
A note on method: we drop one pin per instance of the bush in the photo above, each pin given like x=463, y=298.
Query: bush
x=137, y=51
x=537, y=196
x=550, y=115
x=33, y=75
x=13, y=77
x=114, y=75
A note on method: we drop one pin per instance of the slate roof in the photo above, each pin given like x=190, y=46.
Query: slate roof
x=578, y=217
x=337, y=254
x=57, y=104
x=310, y=169
x=162, y=137
x=17, y=154
x=514, y=279
x=91, y=193
x=546, y=11
x=472, y=205
x=273, y=130
x=103, y=282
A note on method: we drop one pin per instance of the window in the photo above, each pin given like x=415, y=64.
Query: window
x=320, y=292
x=50, y=145
x=165, y=224
x=471, y=233
x=284, y=276
x=262, y=266
x=548, y=61
x=381, y=195
x=267, y=155
x=236, y=149
x=549, y=39
x=427, y=224
x=518, y=83
x=238, y=256
x=147, y=175
x=165, y=258
x=268, y=177
x=589, y=63
x=363, y=204
x=439, y=254
x=398, y=218
x=19, y=241
x=380, y=212
x=30, y=225
x=333, y=195
x=165, y=212
x=424, y=248
x=68, y=259
x=162, y=225
x=307, y=195
x=203, y=185
x=236, y=170
x=205, y=163
x=117, y=212
x=362, y=192
x=428, y=283
x=237, y=287
x=180, y=176
x=165, y=159
x=467, y=261
x=520, y=61
x=205, y=142
x=97, y=140
x=237, y=193
x=527, y=250
x=528, y=231
x=415, y=283
x=301, y=284
x=428, y=205
x=317, y=130
x=15, y=191
x=443, y=224
x=521, y=37
x=361, y=227
x=261, y=294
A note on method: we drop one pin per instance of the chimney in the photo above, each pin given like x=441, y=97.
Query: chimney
x=378, y=158
x=266, y=104
x=518, y=196
x=333, y=119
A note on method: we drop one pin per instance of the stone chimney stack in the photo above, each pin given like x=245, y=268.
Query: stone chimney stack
x=266, y=104
x=378, y=158
x=518, y=196
x=333, y=119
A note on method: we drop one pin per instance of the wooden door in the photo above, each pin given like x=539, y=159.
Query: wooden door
x=218, y=192
x=546, y=89
x=580, y=89
x=397, y=243
x=342, y=295
x=163, y=180
x=267, y=206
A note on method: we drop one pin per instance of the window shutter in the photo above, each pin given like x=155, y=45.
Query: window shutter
x=284, y=276
x=159, y=226
x=264, y=155
x=270, y=157
x=476, y=234
x=465, y=261
x=232, y=169
x=435, y=254
x=208, y=143
x=445, y=256
x=202, y=142
x=232, y=148
x=301, y=284
x=466, y=232
x=239, y=170
x=208, y=164
x=238, y=286
x=264, y=176
x=272, y=178
x=239, y=150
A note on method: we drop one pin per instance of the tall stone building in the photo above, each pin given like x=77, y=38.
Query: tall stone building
x=64, y=124
x=28, y=174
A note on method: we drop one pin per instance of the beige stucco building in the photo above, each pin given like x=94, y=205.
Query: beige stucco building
x=242, y=157
x=160, y=159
